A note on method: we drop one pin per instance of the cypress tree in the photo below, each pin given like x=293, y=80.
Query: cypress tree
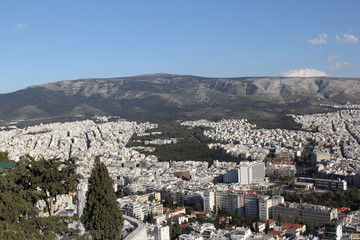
x=102, y=217
x=267, y=227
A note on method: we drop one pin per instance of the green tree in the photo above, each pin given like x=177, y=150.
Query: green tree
x=198, y=206
x=9, y=231
x=46, y=227
x=18, y=215
x=123, y=192
x=180, y=203
x=256, y=227
x=175, y=231
x=149, y=218
x=102, y=216
x=4, y=157
x=52, y=177
x=14, y=204
x=151, y=197
x=279, y=220
x=169, y=202
x=267, y=228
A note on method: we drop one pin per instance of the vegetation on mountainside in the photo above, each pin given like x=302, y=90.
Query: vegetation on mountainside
x=263, y=101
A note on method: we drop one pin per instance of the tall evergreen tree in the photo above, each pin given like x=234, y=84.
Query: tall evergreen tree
x=267, y=227
x=256, y=227
x=102, y=217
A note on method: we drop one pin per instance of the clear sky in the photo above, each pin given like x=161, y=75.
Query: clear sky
x=46, y=41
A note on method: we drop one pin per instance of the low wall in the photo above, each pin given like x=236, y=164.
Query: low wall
x=139, y=233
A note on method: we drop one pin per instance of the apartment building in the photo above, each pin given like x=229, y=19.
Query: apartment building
x=246, y=173
x=265, y=204
x=209, y=201
x=312, y=215
x=238, y=202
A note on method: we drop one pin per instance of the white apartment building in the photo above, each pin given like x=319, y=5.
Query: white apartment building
x=241, y=233
x=246, y=173
x=313, y=215
x=162, y=233
x=134, y=209
x=277, y=199
x=238, y=202
x=265, y=204
x=209, y=201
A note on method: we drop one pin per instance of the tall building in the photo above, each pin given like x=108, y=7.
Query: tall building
x=312, y=215
x=209, y=201
x=162, y=233
x=265, y=204
x=251, y=205
x=246, y=172
x=223, y=201
x=232, y=175
x=238, y=202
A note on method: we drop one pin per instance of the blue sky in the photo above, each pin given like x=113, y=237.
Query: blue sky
x=45, y=41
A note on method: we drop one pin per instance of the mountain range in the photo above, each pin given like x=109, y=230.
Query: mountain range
x=168, y=96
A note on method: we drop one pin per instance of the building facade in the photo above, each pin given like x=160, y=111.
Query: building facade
x=209, y=201
x=265, y=204
x=162, y=233
x=251, y=205
x=312, y=215
x=327, y=184
x=244, y=203
x=246, y=172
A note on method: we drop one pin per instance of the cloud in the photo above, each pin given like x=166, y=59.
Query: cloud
x=332, y=58
x=338, y=65
x=20, y=26
x=321, y=39
x=346, y=38
x=306, y=72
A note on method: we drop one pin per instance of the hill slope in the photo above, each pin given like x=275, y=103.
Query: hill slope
x=158, y=96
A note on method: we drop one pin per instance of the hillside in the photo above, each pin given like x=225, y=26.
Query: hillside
x=166, y=96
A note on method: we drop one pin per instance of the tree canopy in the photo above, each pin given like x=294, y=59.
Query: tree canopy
x=18, y=215
x=4, y=157
x=102, y=217
x=16, y=202
x=52, y=177
x=349, y=198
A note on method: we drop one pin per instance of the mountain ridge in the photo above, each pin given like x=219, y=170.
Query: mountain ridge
x=173, y=96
